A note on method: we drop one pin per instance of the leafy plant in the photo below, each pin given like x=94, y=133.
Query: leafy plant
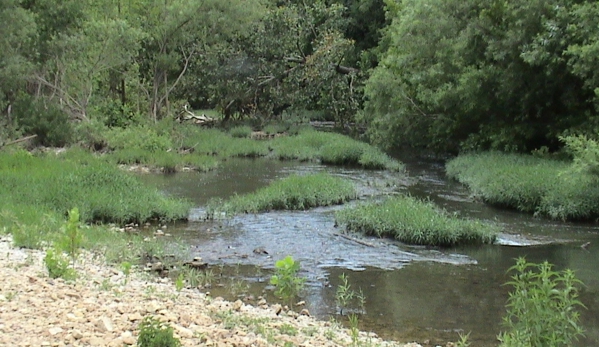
x=126, y=267
x=58, y=265
x=72, y=238
x=286, y=278
x=180, y=282
x=154, y=333
x=344, y=293
x=541, y=309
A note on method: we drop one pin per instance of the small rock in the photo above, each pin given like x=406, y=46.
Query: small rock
x=55, y=330
x=237, y=305
x=277, y=308
x=301, y=303
x=305, y=312
x=183, y=332
x=77, y=334
x=135, y=316
x=104, y=325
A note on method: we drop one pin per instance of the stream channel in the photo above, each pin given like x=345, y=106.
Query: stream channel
x=412, y=293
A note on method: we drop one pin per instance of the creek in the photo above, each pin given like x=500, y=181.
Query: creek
x=412, y=293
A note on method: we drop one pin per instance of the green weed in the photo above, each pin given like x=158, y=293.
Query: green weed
x=154, y=333
x=58, y=265
x=286, y=279
x=541, y=309
x=413, y=221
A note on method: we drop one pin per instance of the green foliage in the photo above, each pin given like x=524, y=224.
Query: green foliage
x=346, y=297
x=126, y=268
x=180, y=282
x=286, y=279
x=509, y=76
x=331, y=148
x=541, y=309
x=585, y=152
x=530, y=184
x=58, y=265
x=413, y=221
x=44, y=119
x=102, y=192
x=241, y=131
x=154, y=333
x=292, y=193
x=138, y=138
x=72, y=239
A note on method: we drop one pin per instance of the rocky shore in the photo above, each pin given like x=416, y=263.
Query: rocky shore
x=103, y=307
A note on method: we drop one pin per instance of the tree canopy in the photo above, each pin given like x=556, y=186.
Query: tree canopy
x=507, y=75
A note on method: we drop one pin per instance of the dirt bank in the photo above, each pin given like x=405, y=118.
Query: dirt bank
x=104, y=308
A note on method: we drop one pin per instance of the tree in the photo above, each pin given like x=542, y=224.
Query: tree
x=475, y=75
x=17, y=35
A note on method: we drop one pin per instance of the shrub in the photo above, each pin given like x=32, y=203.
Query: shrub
x=286, y=278
x=541, y=309
x=292, y=193
x=45, y=119
x=154, y=333
x=414, y=222
x=58, y=265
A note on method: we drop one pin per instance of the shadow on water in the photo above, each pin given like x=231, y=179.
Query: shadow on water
x=412, y=293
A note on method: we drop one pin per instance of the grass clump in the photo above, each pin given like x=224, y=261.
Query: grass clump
x=292, y=193
x=102, y=192
x=413, y=221
x=529, y=184
x=331, y=148
x=241, y=131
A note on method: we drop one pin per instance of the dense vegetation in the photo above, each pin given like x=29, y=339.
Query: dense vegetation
x=530, y=184
x=413, y=221
x=291, y=193
x=33, y=186
x=503, y=75
x=450, y=75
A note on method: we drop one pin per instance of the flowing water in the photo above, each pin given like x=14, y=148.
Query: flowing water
x=412, y=293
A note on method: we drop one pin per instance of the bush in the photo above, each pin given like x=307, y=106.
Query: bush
x=58, y=265
x=414, y=222
x=154, y=333
x=292, y=193
x=541, y=309
x=286, y=278
x=44, y=119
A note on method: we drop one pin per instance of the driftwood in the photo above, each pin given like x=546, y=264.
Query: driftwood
x=17, y=141
x=355, y=240
x=186, y=115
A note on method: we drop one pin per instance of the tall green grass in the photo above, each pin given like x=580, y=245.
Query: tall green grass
x=292, y=193
x=413, y=221
x=331, y=148
x=529, y=184
x=102, y=192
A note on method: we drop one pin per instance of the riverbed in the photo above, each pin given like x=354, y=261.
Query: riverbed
x=412, y=293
